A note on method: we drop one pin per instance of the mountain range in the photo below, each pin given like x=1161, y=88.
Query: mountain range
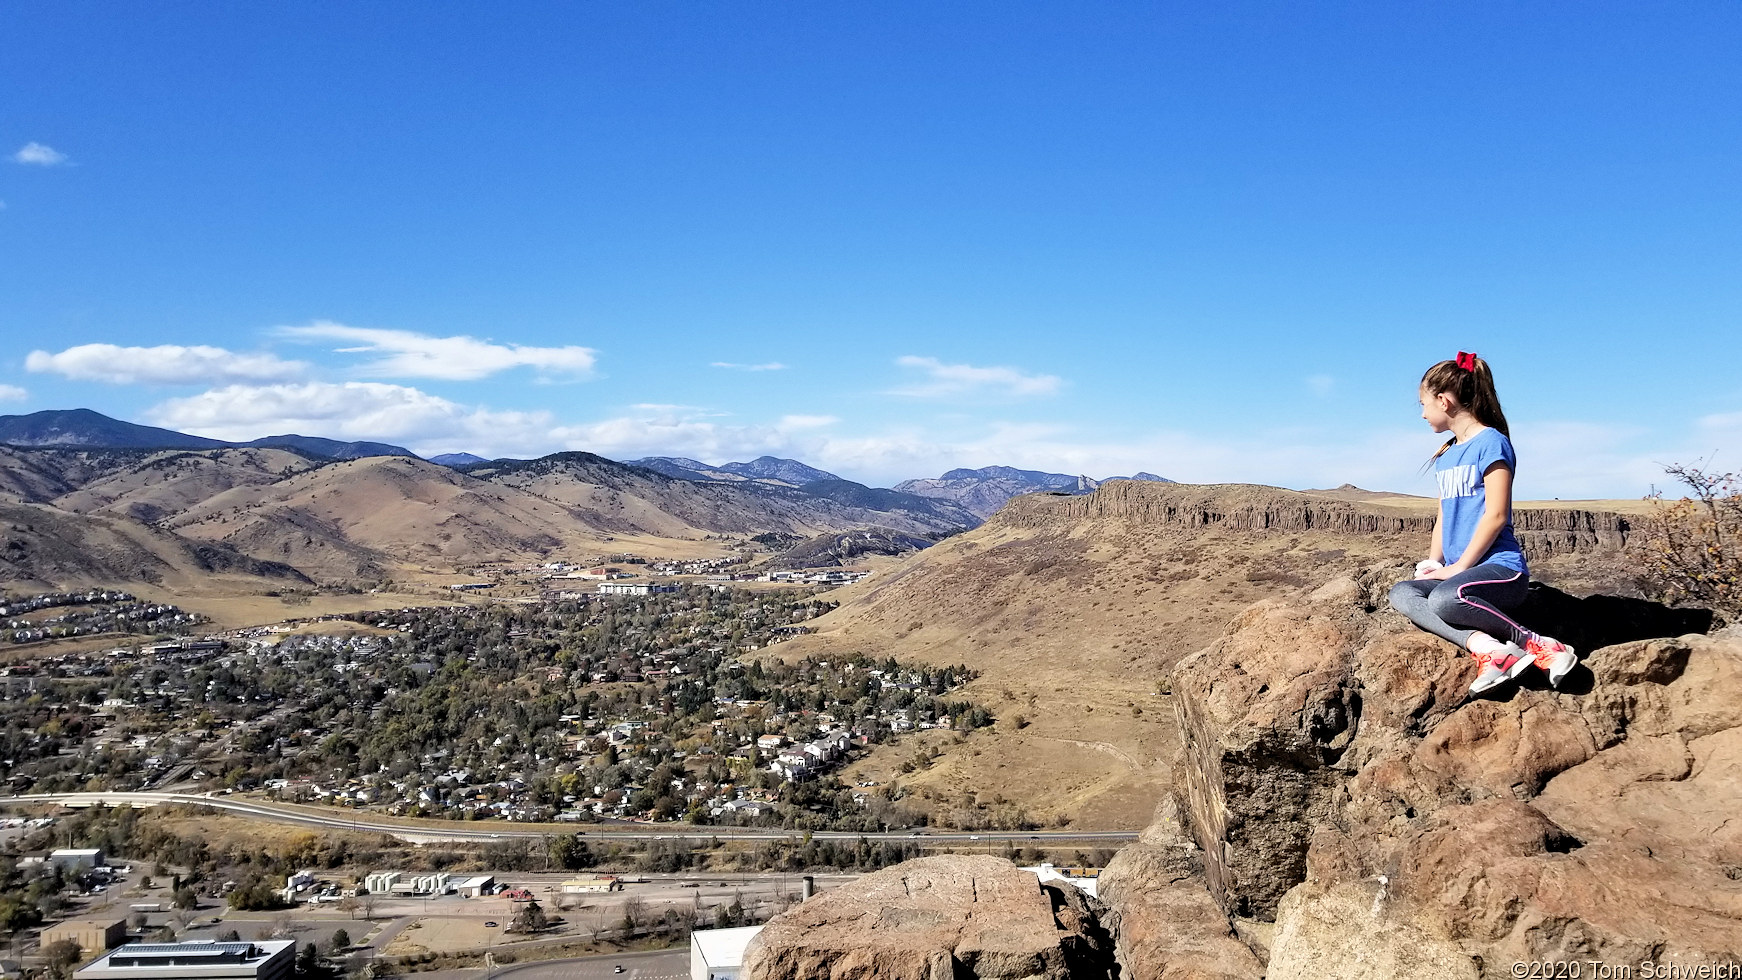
x=83, y=427
x=276, y=512
x=980, y=491
x=98, y=500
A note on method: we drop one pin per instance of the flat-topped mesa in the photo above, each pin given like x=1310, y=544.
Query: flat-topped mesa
x=1543, y=530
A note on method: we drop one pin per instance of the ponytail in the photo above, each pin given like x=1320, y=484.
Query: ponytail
x=1470, y=381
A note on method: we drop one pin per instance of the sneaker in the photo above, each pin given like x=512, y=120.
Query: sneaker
x=1553, y=656
x=1500, y=666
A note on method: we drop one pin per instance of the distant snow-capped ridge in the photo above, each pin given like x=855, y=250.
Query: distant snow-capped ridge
x=985, y=490
x=787, y=471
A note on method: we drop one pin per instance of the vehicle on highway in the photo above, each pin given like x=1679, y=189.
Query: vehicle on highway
x=489, y=925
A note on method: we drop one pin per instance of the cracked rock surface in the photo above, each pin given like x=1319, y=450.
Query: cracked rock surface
x=950, y=917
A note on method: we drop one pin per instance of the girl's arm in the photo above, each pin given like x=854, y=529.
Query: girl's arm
x=1497, y=484
x=1436, y=552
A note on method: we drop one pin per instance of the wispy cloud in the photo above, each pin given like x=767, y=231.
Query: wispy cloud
x=770, y=366
x=953, y=379
x=12, y=393
x=166, y=364
x=408, y=354
x=38, y=155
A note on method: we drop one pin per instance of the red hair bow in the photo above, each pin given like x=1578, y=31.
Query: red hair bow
x=1466, y=361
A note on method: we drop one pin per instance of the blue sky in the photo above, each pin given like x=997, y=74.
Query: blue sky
x=1218, y=242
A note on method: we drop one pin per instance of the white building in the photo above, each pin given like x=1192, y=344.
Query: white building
x=718, y=954
x=400, y=883
x=473, y=886
x=76, y=858
x=633, y=588
x=264, y=960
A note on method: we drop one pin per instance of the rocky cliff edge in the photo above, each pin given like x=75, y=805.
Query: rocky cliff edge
x=1343, y=808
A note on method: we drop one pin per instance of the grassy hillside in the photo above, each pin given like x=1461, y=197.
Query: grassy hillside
x=1075, y=608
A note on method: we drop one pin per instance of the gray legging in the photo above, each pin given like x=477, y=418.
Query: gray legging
x=1478, y=599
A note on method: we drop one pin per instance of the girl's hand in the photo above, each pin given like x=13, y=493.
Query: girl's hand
x=1427, y=565
x=1441, y=574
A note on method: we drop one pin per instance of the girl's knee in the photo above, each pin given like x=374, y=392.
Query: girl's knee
x=1405, y=596
x=1447, y=605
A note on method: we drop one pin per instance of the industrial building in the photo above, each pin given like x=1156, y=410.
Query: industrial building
x=76, y=858
x=264, y=960
x=436, y=883
x=718, y=954
x=92, y=935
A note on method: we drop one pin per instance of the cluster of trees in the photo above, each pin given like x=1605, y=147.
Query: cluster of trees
x=475, y=712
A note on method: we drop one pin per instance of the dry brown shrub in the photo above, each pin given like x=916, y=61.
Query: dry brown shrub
x=1693, y=546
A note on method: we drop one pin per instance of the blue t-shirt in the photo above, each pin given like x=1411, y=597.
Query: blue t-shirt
x=1463, y=498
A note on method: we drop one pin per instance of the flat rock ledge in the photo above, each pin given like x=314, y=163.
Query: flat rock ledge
x=950, y=917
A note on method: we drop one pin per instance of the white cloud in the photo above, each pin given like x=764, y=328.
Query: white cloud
x=12, y=393
x=952, y=379
x=1321, y=384
x=789, y=423
x=39, y=155
x=408, y=354
x=1728, y=422
x=166, y=364
x=770, y=366
x=1556, y=459
x=355, y=410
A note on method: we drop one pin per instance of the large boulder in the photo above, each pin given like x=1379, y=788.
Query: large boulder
x=1338, y=779
x=1168, y=926
x=1265, y=713
x=951, y=917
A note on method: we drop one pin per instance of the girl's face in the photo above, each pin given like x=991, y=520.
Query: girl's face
x=1437, y=409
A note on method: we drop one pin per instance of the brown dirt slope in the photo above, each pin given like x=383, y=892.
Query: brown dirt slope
x=1074, y=608
x=48, y=548
x=164, y=484
x=360, y=518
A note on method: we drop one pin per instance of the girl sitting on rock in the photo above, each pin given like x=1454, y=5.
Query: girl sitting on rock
x=1475, y=574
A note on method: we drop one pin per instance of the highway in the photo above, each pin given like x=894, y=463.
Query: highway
x=426, y=833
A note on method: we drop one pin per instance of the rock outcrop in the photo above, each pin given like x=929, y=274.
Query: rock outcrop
x=1344, y=808
x=1340, y=783
x=950, y=917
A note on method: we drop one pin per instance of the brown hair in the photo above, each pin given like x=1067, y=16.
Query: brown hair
x=1472, y=388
